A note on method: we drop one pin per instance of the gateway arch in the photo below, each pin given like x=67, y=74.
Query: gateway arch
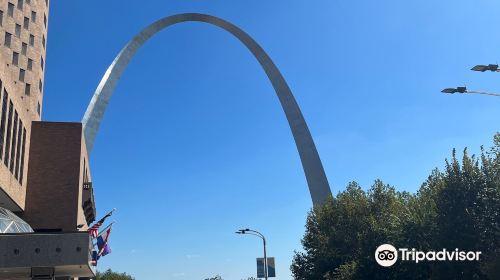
x=311, y=163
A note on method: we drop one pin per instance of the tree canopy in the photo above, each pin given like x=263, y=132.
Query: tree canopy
x=458, y=207
x=218, y=277
x=110, y=275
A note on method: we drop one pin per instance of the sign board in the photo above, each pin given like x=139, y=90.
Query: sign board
x=271, y=268
x=260, y=268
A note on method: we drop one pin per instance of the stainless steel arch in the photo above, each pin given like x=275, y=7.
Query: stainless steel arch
x=311, y=163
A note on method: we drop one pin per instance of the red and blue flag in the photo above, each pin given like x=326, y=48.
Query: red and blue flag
x=102, y=242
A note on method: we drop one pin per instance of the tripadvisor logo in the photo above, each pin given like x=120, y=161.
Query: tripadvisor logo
x=386, y=255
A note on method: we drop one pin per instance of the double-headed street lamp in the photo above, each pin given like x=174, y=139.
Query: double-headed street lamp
x=478, y=68
x=258, y=234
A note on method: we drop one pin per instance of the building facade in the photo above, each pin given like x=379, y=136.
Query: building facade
x=65, y=182
x=46, y=193
x=23, y=35
x=48, y=239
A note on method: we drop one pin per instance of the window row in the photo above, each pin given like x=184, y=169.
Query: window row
x=22, y=73
x=12, y=137
x=8, y=40
x=20, y=4
x=15, y=61
x=24, y=50
x=10, y=12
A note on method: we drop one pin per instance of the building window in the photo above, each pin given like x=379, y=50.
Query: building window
x=7, y=138
x=43, y=41
x=13, y=145
x=47, y=3
x=21, y=171
x=15, y=58
x=18, y=148
x=32, y=40
x=10, y=10
x=1, y=18
x=41, y=62
x=40, y=86
x=33, y=16
x=2, y=120
x=8, y=39
x=18, y=30
x=38, y=109
x=22, y=73
x=45, y=20
x=20, y=4
x=30, y=64
x=24, y=49
x=26, y=23
x=27, y=89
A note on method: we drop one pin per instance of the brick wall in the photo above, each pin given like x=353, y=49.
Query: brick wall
x=55, y=177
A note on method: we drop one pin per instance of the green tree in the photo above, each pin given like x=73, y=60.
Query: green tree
x=456, y=208
x=218, y=277
x=110, y=275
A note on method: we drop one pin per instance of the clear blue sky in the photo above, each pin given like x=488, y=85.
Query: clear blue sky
x=194, y=144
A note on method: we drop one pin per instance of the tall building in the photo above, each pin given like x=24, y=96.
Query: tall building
x=23, y=35
x=46, y=193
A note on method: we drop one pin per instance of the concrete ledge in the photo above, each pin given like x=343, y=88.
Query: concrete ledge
x=69, y=254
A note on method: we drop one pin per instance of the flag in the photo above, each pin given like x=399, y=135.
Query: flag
x=94, y=229
x=102, y=242
x=95, y=258
x=106, y=250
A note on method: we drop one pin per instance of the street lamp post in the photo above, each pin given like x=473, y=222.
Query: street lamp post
x=258, y=234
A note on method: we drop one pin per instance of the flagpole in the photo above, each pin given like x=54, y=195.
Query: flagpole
x=107, y=215
x=95, y=239
x=95, y=234
x=94, y=229
x=106, y=227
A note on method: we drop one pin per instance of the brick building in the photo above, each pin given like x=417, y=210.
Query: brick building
x=23, y=26
x=45, y=177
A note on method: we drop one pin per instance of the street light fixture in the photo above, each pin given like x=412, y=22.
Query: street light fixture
x=465, y=90
x=258, y=234
x=484, y=68
x=455, y=90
